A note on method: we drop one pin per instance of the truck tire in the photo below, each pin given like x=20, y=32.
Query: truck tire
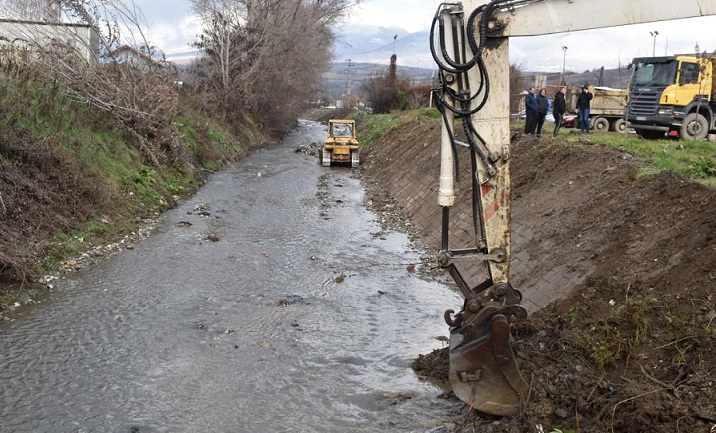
x=601, y=124
x=619, y=125
x=695, y=127
x=325, y=157
x=355, y=158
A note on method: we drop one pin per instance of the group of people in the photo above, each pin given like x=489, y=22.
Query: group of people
x=537, y=107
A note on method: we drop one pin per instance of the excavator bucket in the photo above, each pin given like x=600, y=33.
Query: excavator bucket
x=483, y=371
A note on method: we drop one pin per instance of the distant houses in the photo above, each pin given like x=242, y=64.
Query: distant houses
x=32, y=35
x=132, y=56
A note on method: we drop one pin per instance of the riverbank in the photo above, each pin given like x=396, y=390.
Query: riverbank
x=75, y=187
x=617, y=270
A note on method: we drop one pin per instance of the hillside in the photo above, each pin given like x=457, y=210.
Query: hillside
x=73, y=183
x=369, y=48
x=336, y=79
x=617, y=272
x=615, y=78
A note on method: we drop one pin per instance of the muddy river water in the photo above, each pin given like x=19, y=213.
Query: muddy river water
x=271, y=301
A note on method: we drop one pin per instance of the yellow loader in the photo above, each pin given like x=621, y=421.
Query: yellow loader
x=341, y=145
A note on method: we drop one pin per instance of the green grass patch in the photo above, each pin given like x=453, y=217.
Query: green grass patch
x=84, y=151
x=67, y=244
x=372, y=126
x=208, y=143
x=693, y=159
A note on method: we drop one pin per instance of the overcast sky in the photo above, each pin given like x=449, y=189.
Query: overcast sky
x=172, y=28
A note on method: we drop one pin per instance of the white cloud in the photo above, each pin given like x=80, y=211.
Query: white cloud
x=410, y=15
x=172, y=37
x=613, y=46
x=172, y=24
x=172, y=28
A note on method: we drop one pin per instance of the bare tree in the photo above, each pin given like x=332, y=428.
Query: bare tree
x=383, y=92
x=142, y=101
x=516, y=86
x=266, y=56
x=30, y=10
x=221, y=41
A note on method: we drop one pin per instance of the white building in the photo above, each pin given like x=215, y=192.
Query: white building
x=30, y=34
x=132, y=56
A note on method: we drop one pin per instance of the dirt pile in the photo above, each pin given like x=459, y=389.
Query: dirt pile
x=619, y=274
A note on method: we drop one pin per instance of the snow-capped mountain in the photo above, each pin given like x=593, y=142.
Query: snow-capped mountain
x=372, y=44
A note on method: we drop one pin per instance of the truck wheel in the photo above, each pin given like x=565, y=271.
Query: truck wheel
x=601, y=124
x=325, y=157
x=619, y=125
x=355, y=158
x=695, y=127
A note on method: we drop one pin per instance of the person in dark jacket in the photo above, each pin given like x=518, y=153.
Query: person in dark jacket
x=542, y=109
x=583, y=103
x=530, y=112
x=558, y=109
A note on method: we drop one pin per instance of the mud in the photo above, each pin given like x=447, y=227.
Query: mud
x=618, y=273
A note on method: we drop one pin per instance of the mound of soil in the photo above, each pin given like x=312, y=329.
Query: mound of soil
x=618, y=272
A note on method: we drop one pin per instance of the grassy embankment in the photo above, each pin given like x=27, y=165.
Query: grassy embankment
x=71, y=178
x=693, y=159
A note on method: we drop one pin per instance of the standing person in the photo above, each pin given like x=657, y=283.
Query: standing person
x=530, y=112
x=583, y=107
x=542, y=109
x=559, y=108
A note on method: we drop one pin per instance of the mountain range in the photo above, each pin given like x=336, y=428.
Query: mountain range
x=362, y=51
x=372, y=44
x=365, y=44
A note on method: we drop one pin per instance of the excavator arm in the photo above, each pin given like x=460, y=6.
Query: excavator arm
x=469, y=42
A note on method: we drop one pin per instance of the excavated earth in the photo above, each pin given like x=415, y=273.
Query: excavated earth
x=618, y=274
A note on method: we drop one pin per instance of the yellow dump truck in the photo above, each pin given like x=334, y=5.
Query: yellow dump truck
x=674, y=95
x=341, y=145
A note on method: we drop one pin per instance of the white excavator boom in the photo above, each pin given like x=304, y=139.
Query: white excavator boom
x=542, y=17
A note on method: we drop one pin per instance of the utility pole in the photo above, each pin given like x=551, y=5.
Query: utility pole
x=564, y=62
x=348, y=84
x=654, y=34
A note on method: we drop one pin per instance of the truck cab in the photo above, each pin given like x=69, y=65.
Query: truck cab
x=672, y=93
